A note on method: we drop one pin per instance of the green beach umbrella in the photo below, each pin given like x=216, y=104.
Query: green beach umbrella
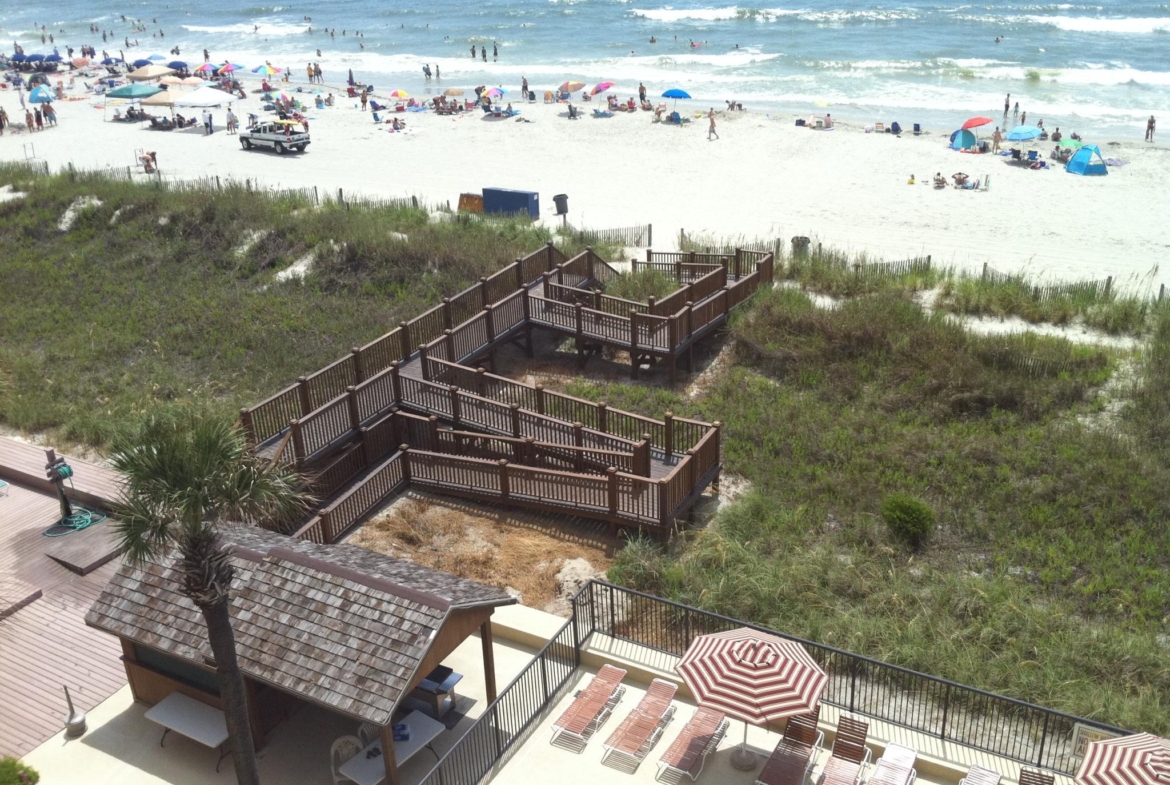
x=136, y=90
x=1071, y=144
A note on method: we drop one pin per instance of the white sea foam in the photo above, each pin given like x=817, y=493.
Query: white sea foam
x=727, y=13
x=1090, y=24
x=267, y=28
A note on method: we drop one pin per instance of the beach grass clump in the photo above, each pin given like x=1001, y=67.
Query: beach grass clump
x=839, y=274
x=723, y=244
x=1148, y=412
x=640, y=285
x=167, y=299
x=909, y=520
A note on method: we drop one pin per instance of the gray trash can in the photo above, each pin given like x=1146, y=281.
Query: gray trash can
x=562, y=203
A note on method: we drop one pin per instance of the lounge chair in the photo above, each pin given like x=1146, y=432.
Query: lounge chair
x=643, y=726
x=1032, y=777
x=591, y=707
x=849, y=757
x=602, y=113
x=977, y=775
x=698, y=739
x=795, y=753
x=879, y=128
x=895, y=767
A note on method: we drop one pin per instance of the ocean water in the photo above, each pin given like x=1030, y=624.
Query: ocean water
x=1101, y=68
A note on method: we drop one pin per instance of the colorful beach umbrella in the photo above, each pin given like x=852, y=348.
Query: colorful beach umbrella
x=170, y=80
x=976, y=122
x=41, y=95
x=600, y=87
x=1140, y=759
x=227, y=68
x=571, y=87
x=494, y=92
x=205, y=68
x=80, y=62
x=266, y=70
x=400, y=94
x=1023, y=133
x=453, y=91
x=752, y=676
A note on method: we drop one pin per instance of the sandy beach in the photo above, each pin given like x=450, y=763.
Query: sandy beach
x=764, y=177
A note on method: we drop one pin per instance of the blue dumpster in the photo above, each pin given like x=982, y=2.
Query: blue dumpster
x=506, y=201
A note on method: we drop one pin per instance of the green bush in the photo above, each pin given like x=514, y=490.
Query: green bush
x=11, y=771
x=910, y=520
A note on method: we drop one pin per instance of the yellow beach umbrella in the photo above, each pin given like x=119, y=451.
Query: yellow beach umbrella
x=453, y=91
x=400, y=94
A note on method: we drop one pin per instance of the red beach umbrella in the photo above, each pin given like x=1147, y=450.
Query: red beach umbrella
x=1141, y=759
x=752, y=676
x=975, y=122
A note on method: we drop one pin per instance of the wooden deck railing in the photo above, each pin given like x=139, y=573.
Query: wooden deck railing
x=350, y=415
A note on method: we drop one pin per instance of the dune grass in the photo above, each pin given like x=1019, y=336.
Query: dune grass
x=1048, y=574
x=168, y=299
x=641, y=285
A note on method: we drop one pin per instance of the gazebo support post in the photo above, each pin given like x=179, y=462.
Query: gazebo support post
x=489, y=660
x=386, y=732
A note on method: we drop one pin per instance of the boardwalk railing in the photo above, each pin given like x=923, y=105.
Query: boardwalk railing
x=1029, y=734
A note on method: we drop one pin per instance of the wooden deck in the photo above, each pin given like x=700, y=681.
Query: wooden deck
x=91, y=484
x=44, y=642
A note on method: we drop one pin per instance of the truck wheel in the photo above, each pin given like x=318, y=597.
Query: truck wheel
x=300, y=148
x=247, y=143
x=280, y=148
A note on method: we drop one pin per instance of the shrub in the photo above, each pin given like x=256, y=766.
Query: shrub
x=910, y=520
x=13, y=772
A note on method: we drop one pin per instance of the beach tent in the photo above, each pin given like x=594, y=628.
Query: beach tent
x=205, y=97
x=149, y=72
x=161, y=98
x=1087, y=161
x=41, y=95
x=963, y=139
x=134, y=91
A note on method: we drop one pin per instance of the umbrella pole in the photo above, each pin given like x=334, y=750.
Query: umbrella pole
x=741, y=759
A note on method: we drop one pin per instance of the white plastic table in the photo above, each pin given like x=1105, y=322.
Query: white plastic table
x=372, y=770
x=193, y=719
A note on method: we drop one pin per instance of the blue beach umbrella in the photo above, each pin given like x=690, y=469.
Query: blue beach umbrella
x=34, y=58
x=1024, y=133
x=53, y=58
x=18, y=58
x=676, y=93
x=41, y=95
x=156, y=58
x=178, y=65
x=111, y=61
x=141, y=63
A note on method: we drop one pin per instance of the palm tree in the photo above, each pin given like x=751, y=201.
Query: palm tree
x=188, y=477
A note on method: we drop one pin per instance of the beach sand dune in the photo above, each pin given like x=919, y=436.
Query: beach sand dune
x=764, y=177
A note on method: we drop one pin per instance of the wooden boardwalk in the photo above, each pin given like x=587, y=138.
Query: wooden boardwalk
x=44, y=642
x=91, y=484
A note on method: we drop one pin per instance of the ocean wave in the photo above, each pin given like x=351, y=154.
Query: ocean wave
x=725, y=14
x=266, y=28
x=1091, y=24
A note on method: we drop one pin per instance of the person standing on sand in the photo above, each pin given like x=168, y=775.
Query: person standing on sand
x=3, y=120
x=524, y=85
x=40, y=120
x=1007, y=105
x=483, y=51
x=436, y=70
x=365, y=99
x=495, y=52
x=711, y=127
x=28, y=121
x=1149, y=129
x=641, y=93
x=1016, y=114
x=473, y=51
x=996, y=138
x=231, y=121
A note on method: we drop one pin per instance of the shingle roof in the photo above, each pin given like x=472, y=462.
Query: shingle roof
x=339, y=625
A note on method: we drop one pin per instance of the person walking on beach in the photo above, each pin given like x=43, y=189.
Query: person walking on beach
x=711, y=128
x=524, y=86
x=1007, y=105
x=436, y=70
x=1016, y=114
x=28, y=121
x=473, y=51
x=318, y=74
x=483, y=51
x=206, y=122
x=641, y=93
x=495, y=52
x=1024, y=119
x=40, y=119
x=231, y=121
x=365, y=99
x=996, y=138
x=3, y=120
x=1149, y=129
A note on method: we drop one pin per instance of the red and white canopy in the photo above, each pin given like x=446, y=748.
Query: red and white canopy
x=1141, y=759
x=752, y=676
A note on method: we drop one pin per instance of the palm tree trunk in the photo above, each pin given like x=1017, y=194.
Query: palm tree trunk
x=231, y=689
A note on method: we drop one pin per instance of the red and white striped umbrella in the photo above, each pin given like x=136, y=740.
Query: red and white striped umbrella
x=1141, y=759
x=752, y=676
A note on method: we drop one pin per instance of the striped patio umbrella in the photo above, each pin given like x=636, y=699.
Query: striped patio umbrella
x=752, y=676
x=1141, y=759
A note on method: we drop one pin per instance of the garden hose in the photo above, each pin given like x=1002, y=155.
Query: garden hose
x=79, y=519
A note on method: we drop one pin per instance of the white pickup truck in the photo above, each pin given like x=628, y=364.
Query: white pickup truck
x=279, y=135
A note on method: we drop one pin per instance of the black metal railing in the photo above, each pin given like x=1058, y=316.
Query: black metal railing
x=1010, y=728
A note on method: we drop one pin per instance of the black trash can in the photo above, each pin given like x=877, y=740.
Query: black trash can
x=562, y=203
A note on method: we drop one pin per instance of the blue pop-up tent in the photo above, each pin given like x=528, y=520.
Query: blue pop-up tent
x=963, y=139
x=1087, y=161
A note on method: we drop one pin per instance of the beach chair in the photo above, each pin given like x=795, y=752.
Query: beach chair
x=643, y=727
x=699, y=738
x=590, y=708
x=879, y=128
x=1033, y=156
x=917, y=129
x=548, y=97
x=795, y=753
x=977, y=775
x=895, y=767
x=1032, y=777
x=849, y=756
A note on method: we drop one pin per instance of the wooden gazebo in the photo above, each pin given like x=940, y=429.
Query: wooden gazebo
x=336, y=625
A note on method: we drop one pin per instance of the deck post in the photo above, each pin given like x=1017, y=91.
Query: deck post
x=489, y=323
x=651, y=303
x=672, y=331
x=519, y=274
x=454, y=391
x=480, y=383
x=303, y=395
x=612, y=486
x=689, y=462
x=597, y=299
x=359, y=371
x=386, y=736
x=649, y=255
x=405, y=450
x=603, y=417
x=247, y=426
x=503, y=464
x=396, y=382
x=327, y=532
x=579, y=442
x=723, y=262
x=539, y=388
x=589, y=261
x=663, y=512
x=548, y=253
x=678, y=270
x=422, y=362
x=489, y=660
x=547, y=284
x=405, y=336
x=668, y=420
x=515, y=412
x=298, y=443
x=351, y=403
x=633, y=344
x=525, y=304
x=643, y=467
x=578, y=315
x=447, y=313
x=483, y=292
x=529, y=454
x=738, y=262
x=560, y=275
x=433, y=433
x=449, y=341
x=690, y=306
